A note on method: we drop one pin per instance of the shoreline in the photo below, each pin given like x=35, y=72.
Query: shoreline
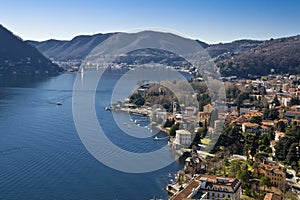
x=138, y=112
x=144, y=113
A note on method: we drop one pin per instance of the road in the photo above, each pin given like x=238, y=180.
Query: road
x=292, y=181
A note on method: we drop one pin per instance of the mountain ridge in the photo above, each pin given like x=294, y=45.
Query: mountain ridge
x=76, y=48
x=233, y=58
x=19, y=58
x=281, y=55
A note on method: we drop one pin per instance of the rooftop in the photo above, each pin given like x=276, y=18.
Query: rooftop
x=271, y=196
x=276, y=169
x=182, y=132
x=249, y=124
x=205, y=182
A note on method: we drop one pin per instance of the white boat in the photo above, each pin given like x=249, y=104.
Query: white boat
x=58, y=103
x=162, y=138
x=108, y=108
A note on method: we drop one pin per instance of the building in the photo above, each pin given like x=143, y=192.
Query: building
x=194, y=165
x=264, y=129
x=218, y=125
x=190, y=111
x=250, y=127
x=269, y=123
x=244, y=110
x=271, y=196
x=297, y=109
x=292, y=115
x=220, y=187
x=174, y=107
x=204, y=118
x=213, y=187
x=276, y=173
x=183, y=139
x=208, y=108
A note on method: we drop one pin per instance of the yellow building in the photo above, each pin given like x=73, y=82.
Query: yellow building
x=276, y=174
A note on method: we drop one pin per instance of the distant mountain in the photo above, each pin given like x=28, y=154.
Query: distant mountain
x=19, y=58
x=148, y=55
x=203, y=44
x=76, y=49
x=235, y=47
x=282, y=55
x=240, y=58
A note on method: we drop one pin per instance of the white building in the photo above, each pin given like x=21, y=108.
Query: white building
x=214, y=188
x=183, y=139
x=220, y=187
x=190, y=110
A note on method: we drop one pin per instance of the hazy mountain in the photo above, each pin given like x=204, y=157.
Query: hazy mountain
x=282, y=55
x=241, y=57
x=76, y=49
x=148, y=55
x=19, y=58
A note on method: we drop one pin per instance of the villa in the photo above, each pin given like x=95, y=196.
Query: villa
x=208, y=187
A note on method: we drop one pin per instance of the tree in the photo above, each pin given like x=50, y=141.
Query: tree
x=294, y=101
x=275, y=101
x=199, y=135
x=266, y=113
x=235, y=167
x=264, y=140
x=230, y=138
x=203, y=100
x=241, y=97
x=290, y=196
x=271, y=114
x=137, y=99
x=292, y=156
x=262, y=89
x=256, y=119
x=244, y=175
x=232, y=92
x=255, y=168
x=252, y=140
x=265, y=181
x=173, y=129
x=286, y=147
x=169, y=122
x=246, y=150
x=281, y=126
x=281, y=148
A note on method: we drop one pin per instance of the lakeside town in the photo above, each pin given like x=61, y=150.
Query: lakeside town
x=257, y=154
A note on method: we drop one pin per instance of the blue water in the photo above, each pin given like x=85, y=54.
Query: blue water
x=42, y=157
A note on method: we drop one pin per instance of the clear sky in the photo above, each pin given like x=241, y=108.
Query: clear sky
x=211, y=21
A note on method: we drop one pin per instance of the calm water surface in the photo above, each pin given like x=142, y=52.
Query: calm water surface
x=42, y=157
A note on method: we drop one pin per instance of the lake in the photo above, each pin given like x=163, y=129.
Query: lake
x=42, y=156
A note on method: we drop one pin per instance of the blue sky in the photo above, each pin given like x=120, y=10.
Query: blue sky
x=211, y=21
